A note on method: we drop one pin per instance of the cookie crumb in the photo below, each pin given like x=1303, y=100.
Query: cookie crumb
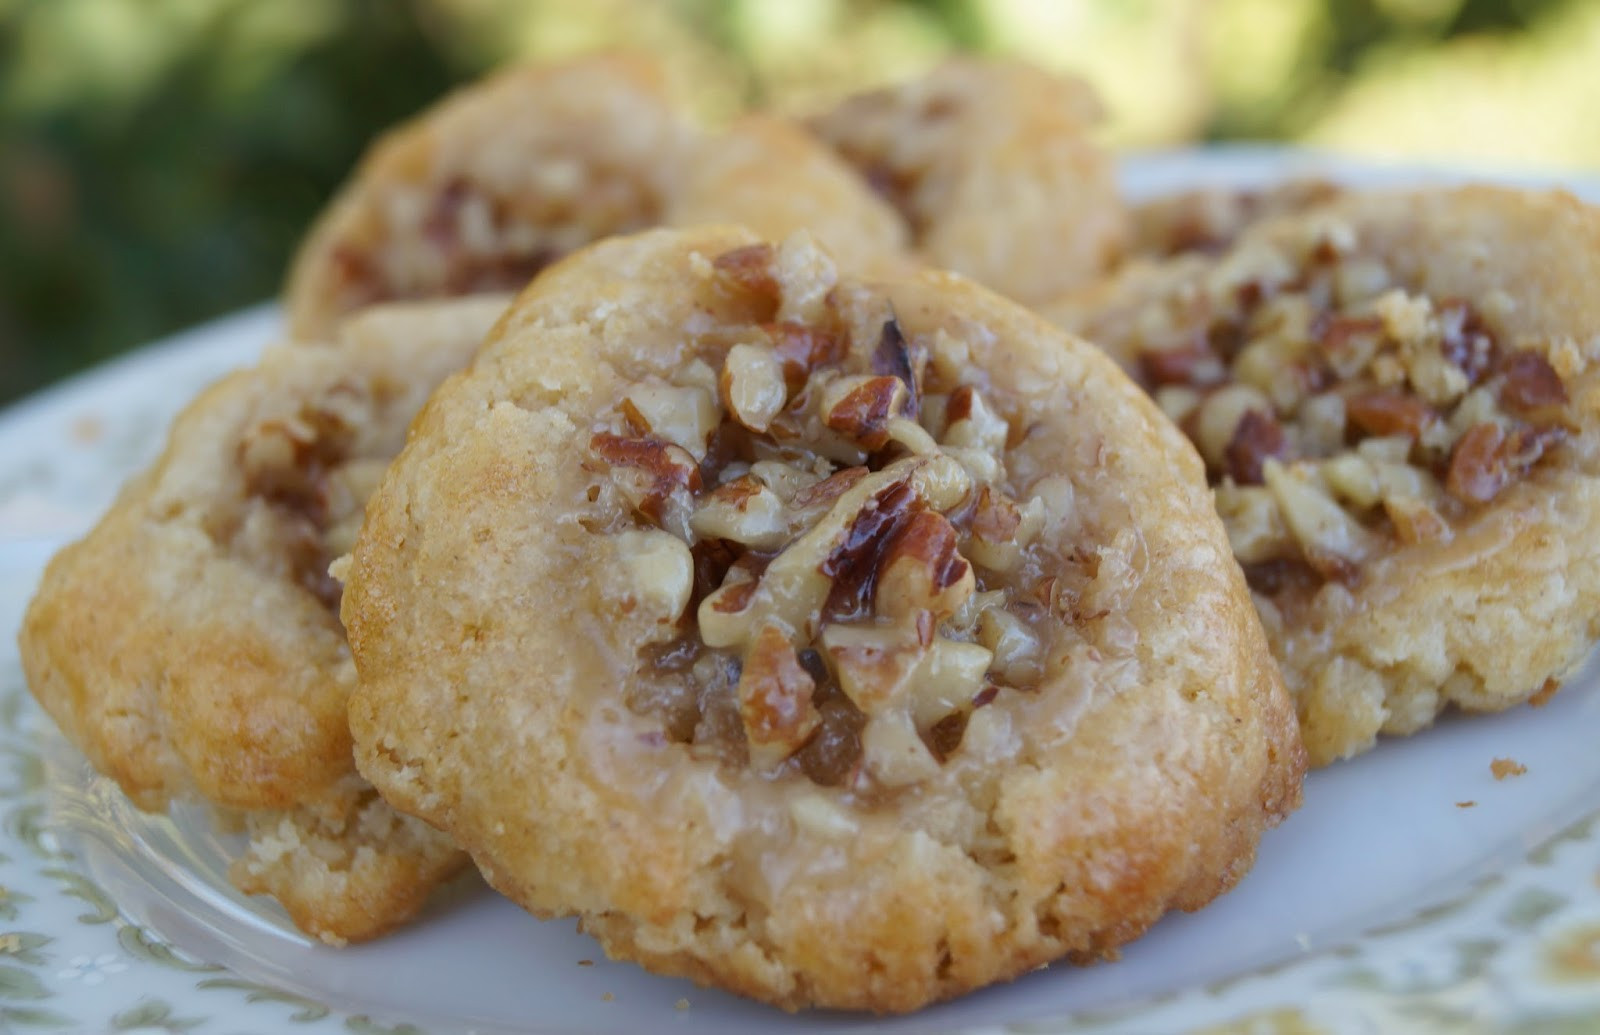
x=1505, y=767
x=681, y=1004
x=1542, y=698
x=1465, y=804
x=586, y=963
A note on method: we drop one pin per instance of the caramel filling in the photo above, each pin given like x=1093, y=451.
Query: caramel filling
x=849, y=570
x=1340, y=414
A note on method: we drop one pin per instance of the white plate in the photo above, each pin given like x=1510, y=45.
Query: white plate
x=1383, y=905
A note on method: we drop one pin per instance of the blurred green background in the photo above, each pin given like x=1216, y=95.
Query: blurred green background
x=159, y=158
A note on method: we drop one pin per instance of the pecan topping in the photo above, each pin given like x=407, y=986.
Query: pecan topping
x=803, y=349
x=922, y=570
x=854, y=563
x=1465, y=340
x=864, y=410
x=995, y=518
x=1531, y=383
x=775, y=699
x=1191, y=364
x=1257, y=437
x=830, y=488
x=1383, y=412
x=660, y=469
x=1334, y=332
x=892, y=358
x=750, y=269
x=1477, y=466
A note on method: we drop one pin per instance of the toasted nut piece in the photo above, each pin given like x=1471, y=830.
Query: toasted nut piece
x=1177, y=401
x=1254, y=523
x=932, y=416
x=724, y=615
x=892, y=753
x=1332, y=541
x=752, y=384
x=1001, y=529
x=981, y=465
x=784, y=479
x=971, y=424
x=1218, y=419
x=942, y=482
x=745, y=511
x=921, y=570
x=1415, y=521
x=1352, y=477
x=1058, y=501
x=775, y=699
x=660, y=570
x=873, y=663
x=684, y=416
x=1390, y=450
x=1322, y=424
x=697, y=373
x=965, y=621
x=1257, y=437
x=949, y=675
x=1190, y=364
x=1017, y=652
x=749, y=269
x=1531, y=383
x=860, y=407
x=1397, y=481
x=912, y=436
x=802, y=348
x=1389, y=413
x=818, y=816
x=345, y=491
x=656, y=477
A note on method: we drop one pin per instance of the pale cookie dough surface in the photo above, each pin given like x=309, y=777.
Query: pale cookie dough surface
x=190, y=645
x=1397, y=398
x=503, y=177
x=835, y=642
x=994, y=168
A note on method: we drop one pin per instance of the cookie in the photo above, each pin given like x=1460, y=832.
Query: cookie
x=993, y=166
x=1396, y=395
x=505, y=176
x=1212, y=218
x=191, y=647
x=837, y=642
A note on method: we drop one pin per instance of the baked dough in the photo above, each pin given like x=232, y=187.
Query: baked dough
x=1209, y=219
x=503, y=177
x=994, y=168
x=190, y=645
x=840, y=643
x=1397, y=397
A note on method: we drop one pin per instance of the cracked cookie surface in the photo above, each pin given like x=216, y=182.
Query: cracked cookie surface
x=191, y=647
x=836, y=642
x=1397, y=398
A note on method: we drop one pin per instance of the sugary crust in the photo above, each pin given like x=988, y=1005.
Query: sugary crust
x=994, y=166
x=1512, y=600
x=507, y=175
x=177, y=648
x=494, y=632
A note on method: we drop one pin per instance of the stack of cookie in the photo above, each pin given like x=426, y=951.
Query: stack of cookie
x=807, y=619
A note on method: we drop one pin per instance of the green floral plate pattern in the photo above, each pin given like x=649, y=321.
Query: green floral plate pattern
x=1422, y=913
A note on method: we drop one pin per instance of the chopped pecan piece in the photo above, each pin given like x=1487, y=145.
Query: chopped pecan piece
x=861, y=408
x=1531, y=383
x=922, y=570
x=1257, y=437
x=854, y=563
x=892, y=358
x=750, y=269
x=802, y=349
x=753, y=386
x=1333, y=331
x=830, y=488
x=775, y=699
x=1464, y=339
x=1381, y=412
x=656, y=476
x=1477, y=464
x=1192, y=364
